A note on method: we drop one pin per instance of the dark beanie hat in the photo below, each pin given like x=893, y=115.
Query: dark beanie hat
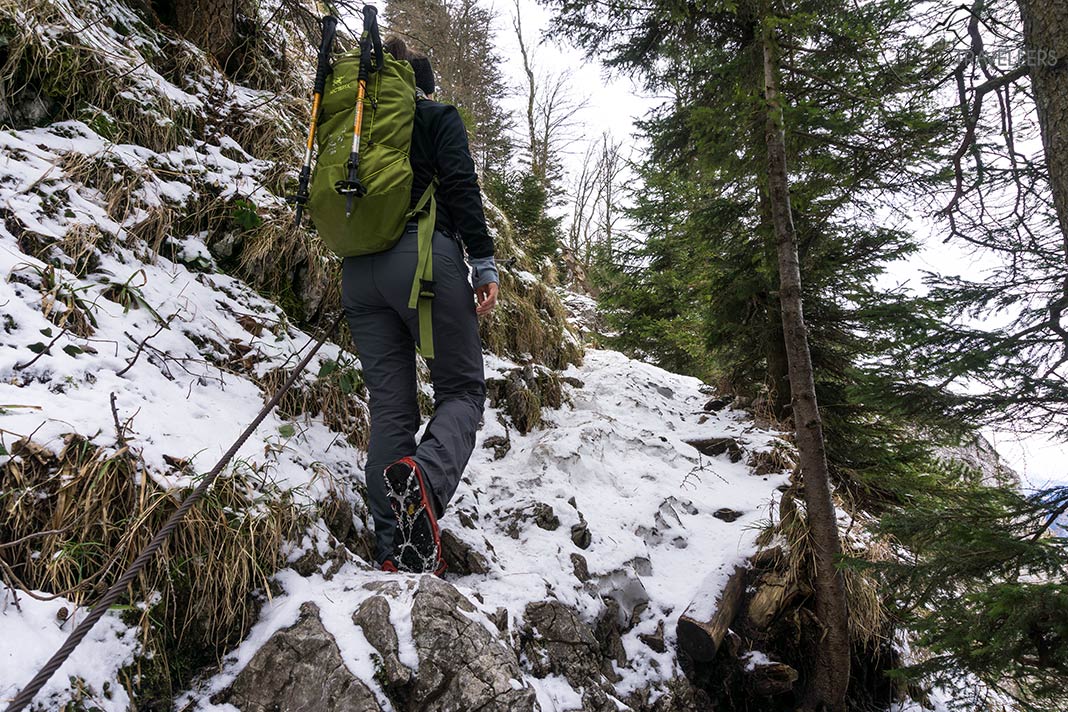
x=424, y=75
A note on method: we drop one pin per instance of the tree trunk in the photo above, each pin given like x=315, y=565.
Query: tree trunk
x=828, y=677
x=209, y=24
x=1046, y=41
x=1045, y=26
x=776, y=375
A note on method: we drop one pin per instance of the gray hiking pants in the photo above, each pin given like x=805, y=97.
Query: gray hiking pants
x=375, y=290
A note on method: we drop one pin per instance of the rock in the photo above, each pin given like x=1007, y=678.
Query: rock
x=718, y=446
x=641, y=564
x=300, y=668
x=501, y=444
x=545, y=517
x=580, y=535
x=676, y=695
x=582, y=569
x=373, y=617
x=462, y=666
x=727, y=514
x=607, y=630
x=557, y=642
x=460, y=557
x=500, y=619
x=627, y=589
x=467, y=519
x=227, y=246
x=717, y=404
x=655, y=640
x=594, y=699
x=572, y=381
x=541, y=514
x=312, y=562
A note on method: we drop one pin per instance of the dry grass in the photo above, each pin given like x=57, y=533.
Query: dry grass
x=98, y=508
x=530, y=324
x=62, y=303
x=62, y=70
x=339, y=397
x=275, y=251
x=868, y=619
x=105, y=172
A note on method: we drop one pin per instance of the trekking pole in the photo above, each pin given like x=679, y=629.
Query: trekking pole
x=329, y=23
x=352, y=188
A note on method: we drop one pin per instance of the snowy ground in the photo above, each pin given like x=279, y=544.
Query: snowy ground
x=613, y=457
x=647, y=497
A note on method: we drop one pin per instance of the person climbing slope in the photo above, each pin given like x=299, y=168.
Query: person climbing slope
x=410, y=485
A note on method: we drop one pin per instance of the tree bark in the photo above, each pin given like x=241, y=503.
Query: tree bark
x=1045, y=32
x=209, y=24
x=828, y=679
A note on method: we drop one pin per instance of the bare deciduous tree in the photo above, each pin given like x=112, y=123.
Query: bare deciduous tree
x=551, y=113
x=595, y=198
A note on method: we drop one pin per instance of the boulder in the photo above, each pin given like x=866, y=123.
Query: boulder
x=461, y=557
x=373, y=617
x=462, y=665
x=557, y=642
x=300, y=668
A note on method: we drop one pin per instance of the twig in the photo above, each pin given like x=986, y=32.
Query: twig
x=45, y=350
x=120, y=432
x=34, y=535
x=140, y=348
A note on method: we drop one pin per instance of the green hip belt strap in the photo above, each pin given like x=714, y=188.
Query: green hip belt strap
x=422, y=294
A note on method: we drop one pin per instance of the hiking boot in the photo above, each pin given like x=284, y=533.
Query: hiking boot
x=417, y=541
x=389, y=566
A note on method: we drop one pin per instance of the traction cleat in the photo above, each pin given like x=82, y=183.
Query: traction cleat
x=417, y=541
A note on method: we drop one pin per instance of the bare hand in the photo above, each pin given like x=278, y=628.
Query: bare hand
x=487, y=298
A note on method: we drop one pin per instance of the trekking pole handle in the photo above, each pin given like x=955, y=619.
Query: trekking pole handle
x=325, y=45
x=370, y=25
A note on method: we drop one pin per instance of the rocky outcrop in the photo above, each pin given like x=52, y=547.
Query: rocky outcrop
x=557, y=642
x=300, y=668
x=462, y=663
x=462, y=666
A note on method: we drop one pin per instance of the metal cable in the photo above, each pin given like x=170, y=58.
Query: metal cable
x=27, y=694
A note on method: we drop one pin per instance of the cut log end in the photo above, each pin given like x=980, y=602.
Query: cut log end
x=701, y=628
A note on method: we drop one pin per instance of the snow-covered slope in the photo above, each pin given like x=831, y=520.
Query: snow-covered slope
x=614, y=458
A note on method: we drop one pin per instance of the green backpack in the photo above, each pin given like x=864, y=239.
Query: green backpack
x=378, y=217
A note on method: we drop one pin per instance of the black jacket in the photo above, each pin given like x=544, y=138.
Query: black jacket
x=439, y=147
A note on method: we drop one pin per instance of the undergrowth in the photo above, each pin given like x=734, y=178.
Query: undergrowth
x=77, y=520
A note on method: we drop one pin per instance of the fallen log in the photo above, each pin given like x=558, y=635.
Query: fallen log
x=703, y=625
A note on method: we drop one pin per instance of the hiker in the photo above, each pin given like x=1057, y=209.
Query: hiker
x=409, y=486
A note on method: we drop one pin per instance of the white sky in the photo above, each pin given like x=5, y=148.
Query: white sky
x=613, y=103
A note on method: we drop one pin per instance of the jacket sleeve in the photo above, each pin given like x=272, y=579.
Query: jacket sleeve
x=458, y=184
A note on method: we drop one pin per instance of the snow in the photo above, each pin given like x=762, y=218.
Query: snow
x=647, y=497
x=32, y=631
x=617, y=449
